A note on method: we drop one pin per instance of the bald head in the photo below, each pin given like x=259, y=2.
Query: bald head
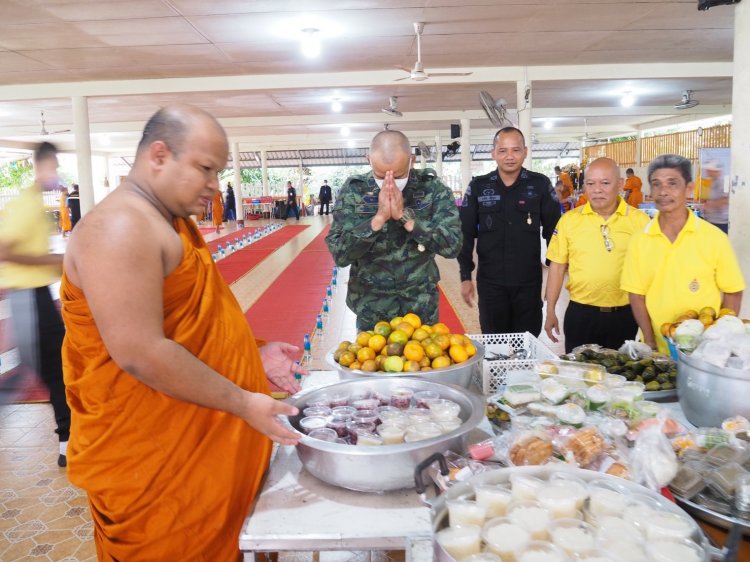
x=390, y=146
x=605, y=164
x=173, y=124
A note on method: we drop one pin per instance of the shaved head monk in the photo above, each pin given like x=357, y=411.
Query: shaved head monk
x=172, y=418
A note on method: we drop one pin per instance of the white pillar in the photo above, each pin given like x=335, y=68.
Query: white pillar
x=239, y=211
x=81, y=135
x=264, y=171
x=739, y=196
x=439, y=156
x=465, y=154
x=524, y=116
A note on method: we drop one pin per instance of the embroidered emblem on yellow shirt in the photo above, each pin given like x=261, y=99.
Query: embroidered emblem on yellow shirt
x=694, y=286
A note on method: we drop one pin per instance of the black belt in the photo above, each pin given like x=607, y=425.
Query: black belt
x=600, y=308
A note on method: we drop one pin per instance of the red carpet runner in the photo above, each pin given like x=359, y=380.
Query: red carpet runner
x=288, y=308
x=448, y=314
x=240, y=263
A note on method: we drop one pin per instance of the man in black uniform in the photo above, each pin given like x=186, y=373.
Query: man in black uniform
x=325, y=197
x=504, y=211
x=291, y=201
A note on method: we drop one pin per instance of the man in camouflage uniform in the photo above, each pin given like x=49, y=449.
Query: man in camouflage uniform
x=388, y=225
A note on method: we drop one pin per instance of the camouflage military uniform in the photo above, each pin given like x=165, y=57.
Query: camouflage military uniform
x=393, y=271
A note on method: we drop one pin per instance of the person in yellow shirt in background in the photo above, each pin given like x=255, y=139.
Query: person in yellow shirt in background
x=27, y=268
x=633, y=186
x=590, y=243
x=65, y=224
x=678, y=262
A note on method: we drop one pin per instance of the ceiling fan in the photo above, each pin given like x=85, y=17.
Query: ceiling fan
x=496, y=110
x=586, y=138
x=392, y=109
x=423, y=149
x=418, y=73
x=44, y=132
x=687, y=101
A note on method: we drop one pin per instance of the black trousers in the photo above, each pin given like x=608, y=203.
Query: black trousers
x=591, y=324
x=507, y=310
x=39, y=333
x=327, y=206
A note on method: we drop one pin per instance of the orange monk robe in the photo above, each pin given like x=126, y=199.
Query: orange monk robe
x=65, y=224
x=217, y=210
x=166, y=479
x=568, y=187
x=633, y=186
x=582, y=200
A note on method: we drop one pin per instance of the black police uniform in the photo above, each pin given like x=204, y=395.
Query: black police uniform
x=506, y=221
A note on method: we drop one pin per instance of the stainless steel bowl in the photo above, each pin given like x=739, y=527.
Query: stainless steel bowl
x=388, y=467
x=460, y=374
x=709, y=394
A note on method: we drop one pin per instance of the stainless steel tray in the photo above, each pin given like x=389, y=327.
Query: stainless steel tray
x=710, y=516
x=659, y=395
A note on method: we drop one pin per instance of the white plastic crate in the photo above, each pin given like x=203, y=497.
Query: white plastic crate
x=494, y=373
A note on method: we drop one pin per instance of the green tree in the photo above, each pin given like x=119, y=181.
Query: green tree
x=15, y=175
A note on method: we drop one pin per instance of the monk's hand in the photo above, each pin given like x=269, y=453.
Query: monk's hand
x=280, y=362
x=262, y=414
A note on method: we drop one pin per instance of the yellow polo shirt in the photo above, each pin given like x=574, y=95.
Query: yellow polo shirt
x=688, y=274
x=24, y=223
x=593, y=272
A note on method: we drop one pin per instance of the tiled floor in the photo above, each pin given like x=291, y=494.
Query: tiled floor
x=43, y=517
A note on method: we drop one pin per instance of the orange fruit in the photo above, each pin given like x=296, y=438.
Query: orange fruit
x=346, y=359
x=394, y=349
x=376, y=343
x=433, y=351
x=369, y=366
x=456, y=339
x=411, y=366
x=420, y=334
x=664, y=329
x=727, y=312
x=394, y=364
x=344, y=345
x=406, y=328
x=440, y=328
x=443, y=341
x=396, y=321
x=458, y=353
x=707, y=311
x=692, y=314
x=363, y=338
x=426, y=369
x=383, y=328
x=705, y=319
x=397, y=336
x=354, y=348
x=440, y=362
x=413, y=319
x=355, y=365
x=427, y=328
x=364, y=354
x=425, y=362
x=425, y=342
x=379, y=362
x=471, y=350
x=413, y=352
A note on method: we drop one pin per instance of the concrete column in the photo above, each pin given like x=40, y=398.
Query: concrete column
x=237, y=181
x=81, y=135
x=439, y=155
x=739, y=182
x=264, y=170
x=524, y=117
x=465, y=153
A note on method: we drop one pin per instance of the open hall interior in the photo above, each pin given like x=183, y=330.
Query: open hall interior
x=575, y=76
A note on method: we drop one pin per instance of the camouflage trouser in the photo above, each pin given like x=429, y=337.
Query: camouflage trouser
x=373, y=305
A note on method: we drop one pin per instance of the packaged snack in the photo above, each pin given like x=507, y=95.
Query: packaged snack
x=723, y=480
x=688, y=482
x=518, y=394
x=553, y=390
x=571, y=414
x=531, y=448
x=585, y=446
x=597, y=395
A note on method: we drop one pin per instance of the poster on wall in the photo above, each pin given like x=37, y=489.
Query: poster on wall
x=712, y=185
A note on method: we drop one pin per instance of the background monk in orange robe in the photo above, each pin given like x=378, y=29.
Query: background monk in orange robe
x=632, y=188
x=567, y=184
x=167, y=385
x=65, y=225
x=217, y=211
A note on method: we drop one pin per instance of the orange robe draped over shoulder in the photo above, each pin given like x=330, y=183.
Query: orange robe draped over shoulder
x=166, y=479
x=65, y=224
x=217, y=210
x=634, y=185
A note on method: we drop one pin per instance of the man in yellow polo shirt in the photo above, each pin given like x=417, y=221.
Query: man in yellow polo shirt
x=679, y=262
x=27, y=268
x=590, y=243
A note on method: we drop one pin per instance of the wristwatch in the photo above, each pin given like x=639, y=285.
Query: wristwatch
x=406, y=216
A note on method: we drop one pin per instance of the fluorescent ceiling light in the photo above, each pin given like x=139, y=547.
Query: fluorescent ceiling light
x=628, y=99
x=345, y=131
x=350, y=143
x=547, y=124
x=310, y=42
x=336, y=106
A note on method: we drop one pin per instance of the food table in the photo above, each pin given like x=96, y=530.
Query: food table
x=297, y=512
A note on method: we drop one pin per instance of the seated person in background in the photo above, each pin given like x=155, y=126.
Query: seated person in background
x=633, y=184
x=678, y=262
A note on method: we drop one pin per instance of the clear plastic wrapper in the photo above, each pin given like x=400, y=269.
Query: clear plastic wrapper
x=688, y=482
x=652, y=460
x=585, y=446
x=530, y=448
x=723, y=480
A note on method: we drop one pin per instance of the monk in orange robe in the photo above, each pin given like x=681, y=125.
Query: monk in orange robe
x=217, y=211
x=171, y=417
x=632, y=189
x=582, y=200
x=65, y=225
x=567, y=183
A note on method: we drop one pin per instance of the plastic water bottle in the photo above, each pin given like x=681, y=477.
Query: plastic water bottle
x=329, y=292
x=297, y=375
x=222, y=252
x=333, y=282
x=319, y=325
x=215, y=257
x=325, y=309
x=237, y=243
x=307, y=354
x=335, y=271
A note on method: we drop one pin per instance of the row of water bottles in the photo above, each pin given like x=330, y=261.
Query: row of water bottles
x=223, y=251
x=321, y=318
